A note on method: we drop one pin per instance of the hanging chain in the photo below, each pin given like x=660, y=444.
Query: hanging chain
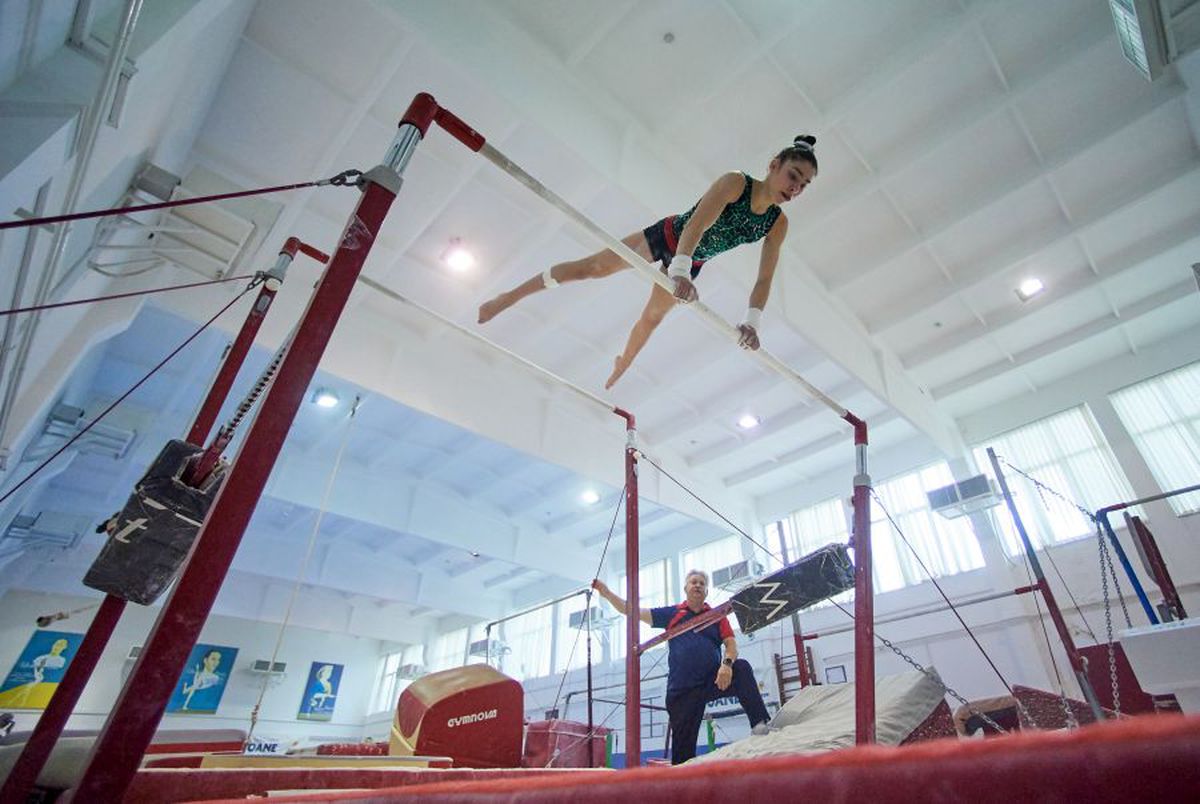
x=887, y=643
x=1105, y=565
x=1043, y=489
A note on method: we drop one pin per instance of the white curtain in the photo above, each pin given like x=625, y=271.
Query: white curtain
x=653, y=591
x=570, y=651
x=1162, y=415
x=710, y=557
x=448, y=650
x=946, y=546
x=1067, y=453
x=530, y=640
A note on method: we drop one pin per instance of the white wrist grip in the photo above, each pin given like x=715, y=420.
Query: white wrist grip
x=681, y=265
x=753, y=317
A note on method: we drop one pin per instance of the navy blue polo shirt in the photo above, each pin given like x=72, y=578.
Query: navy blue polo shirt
x=693, y=658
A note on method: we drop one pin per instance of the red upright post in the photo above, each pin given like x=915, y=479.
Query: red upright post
x=118, y=751
x=864, y=593
x=801, y=656
x=54, y=719
x=241, y=345
x=633, y=673
x=1056, y=615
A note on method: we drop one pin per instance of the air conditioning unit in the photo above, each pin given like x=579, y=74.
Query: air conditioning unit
x=134, y=652
x=959, y=499
x=579, y=618
x=267, y=666
x=485, y=647
x=411, y=671
x=736, y=574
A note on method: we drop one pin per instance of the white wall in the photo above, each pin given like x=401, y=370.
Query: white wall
x=254, y=640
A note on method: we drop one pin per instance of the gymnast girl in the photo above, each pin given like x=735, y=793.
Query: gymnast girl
x=736, y=209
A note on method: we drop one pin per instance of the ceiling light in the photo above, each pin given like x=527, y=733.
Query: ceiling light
x=325, y=398
x=589, y=497
x=1029, y=288
x=457, y=257
x=749, y=422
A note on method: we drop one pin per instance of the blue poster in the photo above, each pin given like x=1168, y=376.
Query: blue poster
x=39, y=669
x=320, y=692
x=203, y=681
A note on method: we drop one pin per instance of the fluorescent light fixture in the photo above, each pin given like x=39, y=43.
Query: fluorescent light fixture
x=589, y=497
x=325, y=398
x=749, y=422
x=457, y=257
x=1029, y=288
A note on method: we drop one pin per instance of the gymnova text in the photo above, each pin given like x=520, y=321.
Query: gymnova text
x=468, y=719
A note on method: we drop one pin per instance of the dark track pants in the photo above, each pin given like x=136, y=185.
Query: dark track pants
x=686, y=708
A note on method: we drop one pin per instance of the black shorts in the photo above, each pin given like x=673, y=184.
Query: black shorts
x=660, y=237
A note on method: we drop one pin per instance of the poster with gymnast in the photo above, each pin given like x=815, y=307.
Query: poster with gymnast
x=320, y=692
x=199, y=689
x=39, y=669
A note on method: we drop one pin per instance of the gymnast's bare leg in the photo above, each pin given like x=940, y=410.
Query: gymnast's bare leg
x=601, y=264
x=656, y=309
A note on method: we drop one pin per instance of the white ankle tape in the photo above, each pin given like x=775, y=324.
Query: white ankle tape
x=548, y=279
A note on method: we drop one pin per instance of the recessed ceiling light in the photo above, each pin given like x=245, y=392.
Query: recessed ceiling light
x=325, y=398
x=589, y=497
x=749, y=422
x=1029, y=288
x=457, y=257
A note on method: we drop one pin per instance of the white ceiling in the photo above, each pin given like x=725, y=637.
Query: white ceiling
x=964, y=146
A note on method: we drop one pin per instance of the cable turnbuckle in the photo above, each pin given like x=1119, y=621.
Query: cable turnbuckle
x=347, y=178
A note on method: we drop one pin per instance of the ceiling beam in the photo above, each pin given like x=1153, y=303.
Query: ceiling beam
x=984, y=269
x=1132, y=257
x=1071, y=338
x=995, y=195
x=948, y=129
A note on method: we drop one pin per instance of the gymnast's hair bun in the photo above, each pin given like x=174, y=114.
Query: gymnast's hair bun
x=804, y=142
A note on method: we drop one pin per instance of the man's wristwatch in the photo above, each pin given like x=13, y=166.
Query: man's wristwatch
x=727, y=662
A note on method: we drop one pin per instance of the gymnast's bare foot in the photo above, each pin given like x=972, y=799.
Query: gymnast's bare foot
x=490, y=309
x=619, y=367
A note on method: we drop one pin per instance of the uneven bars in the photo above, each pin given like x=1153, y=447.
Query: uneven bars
x=649, y=272
x=529, y=364
x=864, y=600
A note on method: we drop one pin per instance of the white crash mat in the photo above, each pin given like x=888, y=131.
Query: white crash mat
x=821, y=718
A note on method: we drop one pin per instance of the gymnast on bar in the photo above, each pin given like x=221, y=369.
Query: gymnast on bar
x=736, y=209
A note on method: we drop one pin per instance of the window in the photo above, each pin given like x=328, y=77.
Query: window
x=653, y=591
x=530, y=640
x=449, y=650
x=710, y=557
x=1162, y=416
x=392, y=680
x=809, y=529
x=946, y=546
x=1067, y=453
x=570, y=651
